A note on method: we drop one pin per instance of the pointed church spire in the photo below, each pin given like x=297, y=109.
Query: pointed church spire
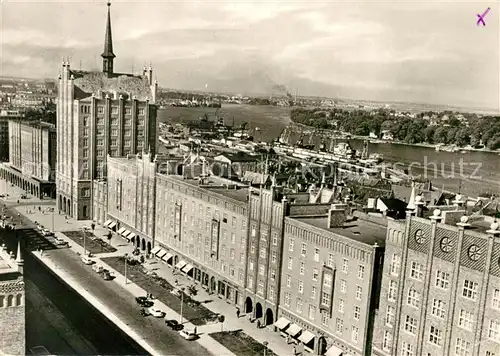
x=411, y=204
x=108, y=55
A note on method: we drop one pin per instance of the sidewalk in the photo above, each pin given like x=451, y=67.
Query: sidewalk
x=276, y=343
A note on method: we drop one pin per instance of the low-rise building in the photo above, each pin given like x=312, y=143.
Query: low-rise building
x=330, y=281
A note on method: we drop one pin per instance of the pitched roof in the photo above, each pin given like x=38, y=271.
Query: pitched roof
x=88, y=83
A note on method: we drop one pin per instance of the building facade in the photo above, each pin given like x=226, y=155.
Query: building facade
x=131, y=195
x=5, y=116
x=12, y=307
x=266, y=212
x=99, y=114
x=202, y=230
x=32, y=157
x=441, y=287
x=330, y=281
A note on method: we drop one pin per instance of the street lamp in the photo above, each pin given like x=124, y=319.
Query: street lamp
x=84, y=231
x=125, y=256
x=265, y=343
x=182, y=303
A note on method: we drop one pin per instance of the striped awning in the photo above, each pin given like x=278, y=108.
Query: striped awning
x=294, y=330
x=132, y=235
x=306, y=337
x=180, y=264
x=187, y=268
x=112, y=225
x=106, y=223
x=161, y=253
x=167, y=257
x=126, y=232
x=155, y=250
x=282, y=323
x=122, y=229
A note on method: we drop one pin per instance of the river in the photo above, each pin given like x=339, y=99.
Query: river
x=474, y=172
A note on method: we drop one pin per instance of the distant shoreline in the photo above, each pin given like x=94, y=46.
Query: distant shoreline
x=427, y=145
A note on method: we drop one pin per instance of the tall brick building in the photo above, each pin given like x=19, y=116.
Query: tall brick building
x=12, y=308
x=99, y=114
x=441, y=286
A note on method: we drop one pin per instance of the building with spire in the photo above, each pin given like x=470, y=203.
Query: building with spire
x=12, y=309
x=99, y=114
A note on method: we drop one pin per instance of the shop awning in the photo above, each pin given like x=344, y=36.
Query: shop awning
x=131, y=236
x=112, y=225
x=122, y=229
x=306, y=337
x=106, y=223
x=126, y=232
x=161, y=253
x=167, y=257
x=155, y=250
x=282, y=323
x=180, y=264
x=187, y=268
x=333, y=351
x=294, y=330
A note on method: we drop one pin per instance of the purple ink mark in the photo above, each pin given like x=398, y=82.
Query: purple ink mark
x=481, y=17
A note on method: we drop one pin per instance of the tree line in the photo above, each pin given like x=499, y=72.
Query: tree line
x=470, y=129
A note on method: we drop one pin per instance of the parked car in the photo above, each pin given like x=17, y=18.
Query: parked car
x=176, y=291
x=157, y=313
x=47, y=232
x=60, y=242
x=97, y=268
x=40, y=227
x=188, y=335
x=87, y=260
x=144, y=302
x=107, y=275
x=174, y=324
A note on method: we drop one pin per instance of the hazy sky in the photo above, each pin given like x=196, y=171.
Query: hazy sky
x=430, y=51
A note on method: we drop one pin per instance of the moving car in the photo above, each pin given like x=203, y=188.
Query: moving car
x=157, y=313
x=188, y=335
x=144, y=302
x=87, y=260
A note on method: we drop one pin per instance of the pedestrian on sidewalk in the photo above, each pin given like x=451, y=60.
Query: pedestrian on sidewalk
x=176, y=282
x=294, y=350
x=39, y=208
x=258, y=324
x=237, y=313
x=195, y=330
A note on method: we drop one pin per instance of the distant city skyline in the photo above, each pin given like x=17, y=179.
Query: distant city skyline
x=430, y=52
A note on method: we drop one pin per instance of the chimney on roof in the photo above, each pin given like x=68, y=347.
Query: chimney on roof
x=337, y=215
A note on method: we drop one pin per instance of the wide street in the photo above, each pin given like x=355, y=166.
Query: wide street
x=119, y=301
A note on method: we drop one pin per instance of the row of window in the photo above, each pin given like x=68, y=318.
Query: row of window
x=470, y=289
x=345, y=264
x=85, y=109
x=465, y=321
x=462, y=347
x=113, y=121
x=113, y=133
x=11, y=300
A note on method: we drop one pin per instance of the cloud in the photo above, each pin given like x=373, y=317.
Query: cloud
x=405, y=50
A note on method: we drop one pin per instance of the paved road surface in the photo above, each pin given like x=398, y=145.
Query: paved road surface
x=93, y=327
